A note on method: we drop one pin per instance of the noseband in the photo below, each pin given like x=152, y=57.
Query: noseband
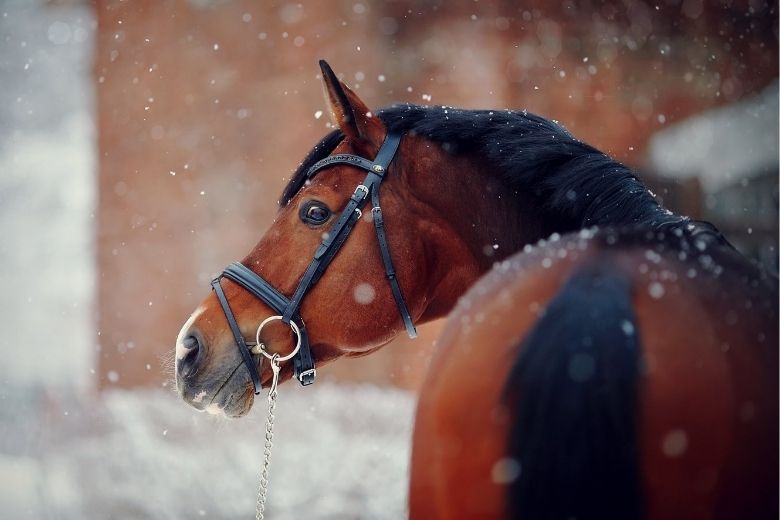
x=288, y=309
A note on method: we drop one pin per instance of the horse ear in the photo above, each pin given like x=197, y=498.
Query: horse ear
x=349, y=112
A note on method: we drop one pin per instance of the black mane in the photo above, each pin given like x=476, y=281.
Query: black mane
x=570, y=181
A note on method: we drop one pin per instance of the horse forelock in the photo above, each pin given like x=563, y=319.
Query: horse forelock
x=321, y=150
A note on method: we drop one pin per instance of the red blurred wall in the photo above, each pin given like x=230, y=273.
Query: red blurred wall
x=205, y=107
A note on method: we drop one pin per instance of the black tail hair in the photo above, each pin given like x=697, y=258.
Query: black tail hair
x=574, y=395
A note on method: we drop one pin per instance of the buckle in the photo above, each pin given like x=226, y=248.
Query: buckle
x=306, y=373
x=360, y=188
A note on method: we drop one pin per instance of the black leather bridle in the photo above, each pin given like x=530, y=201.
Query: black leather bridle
x=289, y=308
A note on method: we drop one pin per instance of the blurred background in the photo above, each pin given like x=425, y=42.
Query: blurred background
x=144, y=143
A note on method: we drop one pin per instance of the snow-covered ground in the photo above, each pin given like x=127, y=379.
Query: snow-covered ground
x=339, y=452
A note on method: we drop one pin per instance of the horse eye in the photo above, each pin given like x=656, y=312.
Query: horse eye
x=315, y=213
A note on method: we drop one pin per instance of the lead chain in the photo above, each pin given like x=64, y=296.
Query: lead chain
x=262, y=491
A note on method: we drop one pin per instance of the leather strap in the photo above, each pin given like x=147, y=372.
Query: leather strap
x=303, y=362
x=249, y=361
x=387, y=260
x=342, y=158
x=387, y=151
x=261, y=289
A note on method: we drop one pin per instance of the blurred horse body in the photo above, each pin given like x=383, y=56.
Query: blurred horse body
x=625, y=367
x=601, y=376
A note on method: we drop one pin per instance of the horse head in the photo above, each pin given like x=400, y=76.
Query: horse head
x=351, y=306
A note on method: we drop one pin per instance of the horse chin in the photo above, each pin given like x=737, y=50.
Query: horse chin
x=231, y=404
x=234, y=398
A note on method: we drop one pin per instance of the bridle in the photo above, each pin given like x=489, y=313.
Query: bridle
x=288, y=309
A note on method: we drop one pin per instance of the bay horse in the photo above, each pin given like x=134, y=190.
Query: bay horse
x=603, y=357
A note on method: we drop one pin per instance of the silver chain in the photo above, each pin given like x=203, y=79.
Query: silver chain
x=262, y=492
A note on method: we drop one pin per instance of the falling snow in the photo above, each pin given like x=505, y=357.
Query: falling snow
x=142, y=453
x=364, y=293
x=656, y=290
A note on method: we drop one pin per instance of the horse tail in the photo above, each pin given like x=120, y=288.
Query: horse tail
x=573, y=396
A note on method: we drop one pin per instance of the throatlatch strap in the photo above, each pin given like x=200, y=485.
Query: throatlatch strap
x=249, y=361
x=387, y=260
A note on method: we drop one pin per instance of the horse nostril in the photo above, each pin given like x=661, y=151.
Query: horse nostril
x=188, y=363
x=191, y=343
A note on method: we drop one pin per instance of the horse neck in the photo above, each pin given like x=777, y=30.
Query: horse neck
x=470, y=221
x=481, y=221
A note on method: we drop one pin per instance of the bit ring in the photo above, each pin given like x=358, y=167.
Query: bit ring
x=259, y=348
